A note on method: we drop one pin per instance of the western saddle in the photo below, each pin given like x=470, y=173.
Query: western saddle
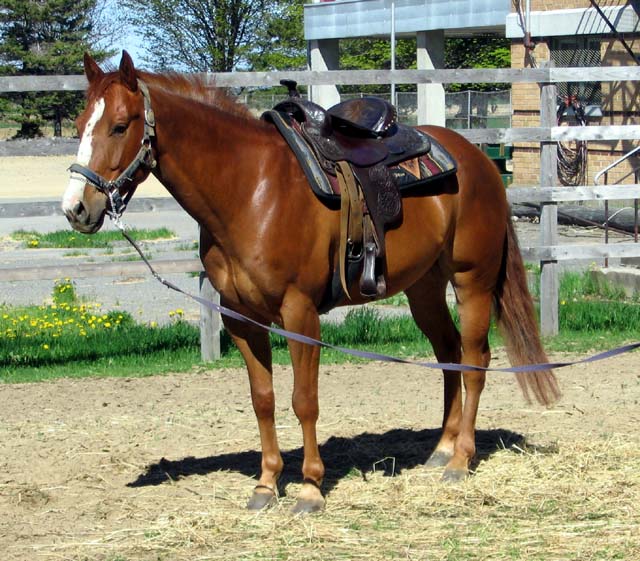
x=355, y=142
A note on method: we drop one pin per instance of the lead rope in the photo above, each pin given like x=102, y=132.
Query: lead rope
x=357, y=353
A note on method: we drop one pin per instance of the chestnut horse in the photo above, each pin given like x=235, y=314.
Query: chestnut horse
x=270, y=248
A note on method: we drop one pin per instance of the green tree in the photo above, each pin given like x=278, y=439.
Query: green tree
x=279, y=42
x=41, y=37
x=375, y=54
x=196, y=35
x=477, y=52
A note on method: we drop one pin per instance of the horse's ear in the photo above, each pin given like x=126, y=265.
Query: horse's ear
x=128, y=72
x=91, y=68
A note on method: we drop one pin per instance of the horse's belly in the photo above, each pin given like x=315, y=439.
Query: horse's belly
x=419, y=241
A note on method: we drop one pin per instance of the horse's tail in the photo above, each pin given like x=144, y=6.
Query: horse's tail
x=517, y=322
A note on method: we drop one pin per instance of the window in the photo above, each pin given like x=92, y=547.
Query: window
x=578, y=52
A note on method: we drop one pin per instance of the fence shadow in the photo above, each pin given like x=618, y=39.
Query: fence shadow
x=390, y=452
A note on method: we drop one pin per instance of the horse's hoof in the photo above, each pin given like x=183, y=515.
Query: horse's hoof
x=438, y=460
x=454, y=475
x=261, y=500
x=308, y=506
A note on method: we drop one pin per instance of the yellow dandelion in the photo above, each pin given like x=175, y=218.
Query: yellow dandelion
x=45, y=347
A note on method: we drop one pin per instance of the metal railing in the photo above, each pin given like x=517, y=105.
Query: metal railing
x=604, y=173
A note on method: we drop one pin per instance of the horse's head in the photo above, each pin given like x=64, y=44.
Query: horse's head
x=115, y=153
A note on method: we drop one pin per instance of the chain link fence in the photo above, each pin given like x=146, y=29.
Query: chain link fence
x=478, y=110
x=464, y=110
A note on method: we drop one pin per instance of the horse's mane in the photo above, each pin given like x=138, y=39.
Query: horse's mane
x=191, y=86
x=195, y=87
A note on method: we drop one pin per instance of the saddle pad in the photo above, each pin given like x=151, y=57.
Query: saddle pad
x=409, y=175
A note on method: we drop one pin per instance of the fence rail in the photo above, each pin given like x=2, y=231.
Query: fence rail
x=572, y=194
x=10, y=84
x=548, y=195
x=549, y=134
x=93, y=270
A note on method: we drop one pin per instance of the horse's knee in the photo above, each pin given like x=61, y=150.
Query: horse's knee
x=264, y=403
x=305, y=405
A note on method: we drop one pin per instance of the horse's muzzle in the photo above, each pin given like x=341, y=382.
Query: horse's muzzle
x=81, y=220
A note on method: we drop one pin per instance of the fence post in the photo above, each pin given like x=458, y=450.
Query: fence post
x=549, y=284
x=209, y=322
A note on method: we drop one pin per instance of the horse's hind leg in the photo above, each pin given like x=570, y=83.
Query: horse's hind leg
x=474, y=305
x=427, y=299
x=255, y=347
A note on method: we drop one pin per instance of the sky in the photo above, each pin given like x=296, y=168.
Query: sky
x=130, y=41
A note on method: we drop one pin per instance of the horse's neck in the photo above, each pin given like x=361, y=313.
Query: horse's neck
x=208, y=160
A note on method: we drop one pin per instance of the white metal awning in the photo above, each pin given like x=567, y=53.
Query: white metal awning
x=340, y=19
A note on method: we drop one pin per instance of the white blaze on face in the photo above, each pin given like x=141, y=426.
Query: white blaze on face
x=75, y=189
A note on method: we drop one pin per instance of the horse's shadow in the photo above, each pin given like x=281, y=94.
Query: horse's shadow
x=390, y=452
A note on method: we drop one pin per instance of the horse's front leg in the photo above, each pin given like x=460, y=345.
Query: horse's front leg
x=302, y=317
x=255, y=347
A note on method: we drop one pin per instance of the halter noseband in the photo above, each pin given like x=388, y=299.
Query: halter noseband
x=144, y=157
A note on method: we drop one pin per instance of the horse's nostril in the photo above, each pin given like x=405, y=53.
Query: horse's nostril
x=79, y=210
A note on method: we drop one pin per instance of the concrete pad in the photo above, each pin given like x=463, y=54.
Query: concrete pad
x=626, y=277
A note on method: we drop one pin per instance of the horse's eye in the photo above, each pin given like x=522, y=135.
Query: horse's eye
x=119, y=130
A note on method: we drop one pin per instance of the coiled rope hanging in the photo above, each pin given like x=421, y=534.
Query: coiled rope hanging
x=572, y=162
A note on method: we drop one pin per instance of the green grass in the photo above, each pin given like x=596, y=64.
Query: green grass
x=61, y=334
x=69, y=338
x=71, y=239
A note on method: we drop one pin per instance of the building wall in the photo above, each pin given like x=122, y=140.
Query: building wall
x=620, y=104
x=546, y=5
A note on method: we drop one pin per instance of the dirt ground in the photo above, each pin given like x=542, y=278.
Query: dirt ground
x=106, y=468
x=160, y=468
x=46, y=177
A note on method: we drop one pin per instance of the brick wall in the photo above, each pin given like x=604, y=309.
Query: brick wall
x=620, y=104
x=546, y=5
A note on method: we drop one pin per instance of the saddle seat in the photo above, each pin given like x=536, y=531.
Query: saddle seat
x=363, y=132
x=367, y=117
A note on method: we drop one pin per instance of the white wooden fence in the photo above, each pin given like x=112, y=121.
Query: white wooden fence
x=547, y=194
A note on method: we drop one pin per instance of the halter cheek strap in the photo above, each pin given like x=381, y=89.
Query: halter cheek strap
x=144, y=158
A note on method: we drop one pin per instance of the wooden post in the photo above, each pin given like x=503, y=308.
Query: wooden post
x=549, y=283
x=209, y=322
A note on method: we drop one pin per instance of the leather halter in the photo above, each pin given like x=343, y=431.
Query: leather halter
x=144, y=157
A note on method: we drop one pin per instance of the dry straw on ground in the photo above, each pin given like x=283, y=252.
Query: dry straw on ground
x=579, y=502
x=84, y=474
